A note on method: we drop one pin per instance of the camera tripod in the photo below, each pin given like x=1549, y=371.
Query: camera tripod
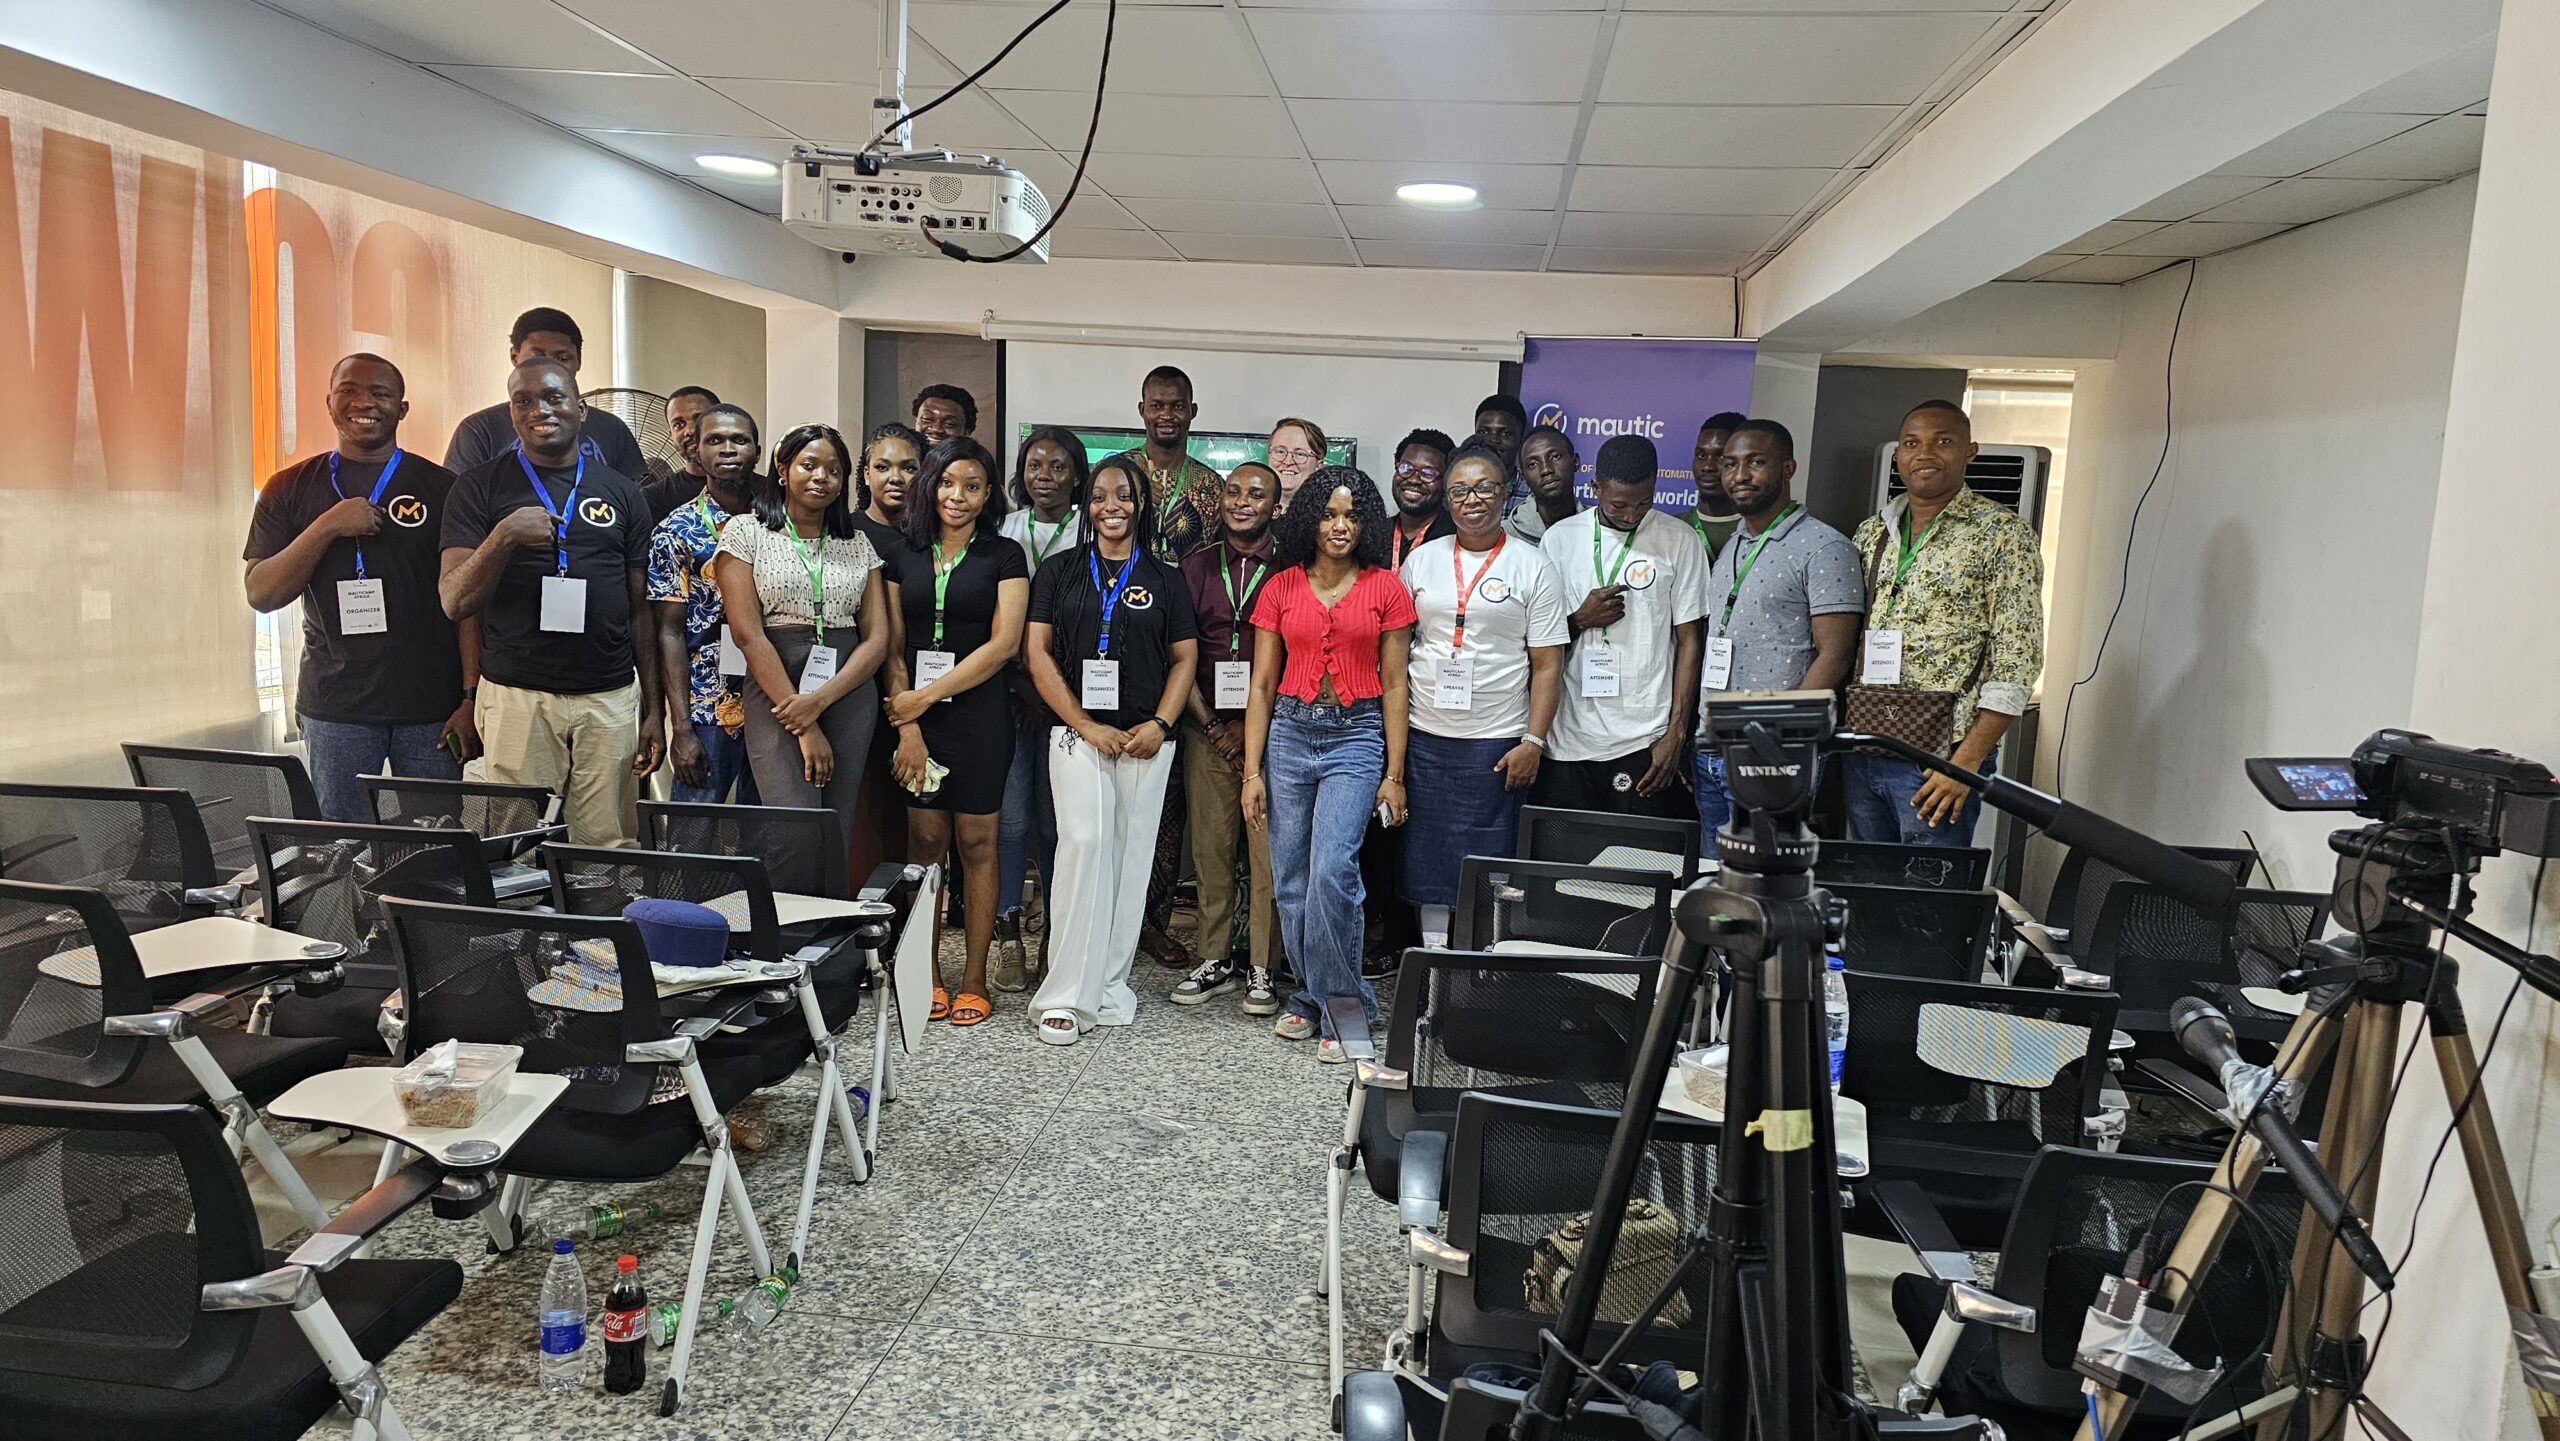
x=2396, y=885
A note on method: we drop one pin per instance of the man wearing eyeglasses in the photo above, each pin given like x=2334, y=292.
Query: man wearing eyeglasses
x=1422, y=504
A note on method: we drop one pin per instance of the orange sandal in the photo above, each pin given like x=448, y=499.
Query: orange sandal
x=941, y=1005
x=969, y=1008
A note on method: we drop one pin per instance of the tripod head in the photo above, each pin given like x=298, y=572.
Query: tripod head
x=1770, y=741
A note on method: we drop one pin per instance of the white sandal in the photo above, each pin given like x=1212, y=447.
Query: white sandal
x=1066, y=1035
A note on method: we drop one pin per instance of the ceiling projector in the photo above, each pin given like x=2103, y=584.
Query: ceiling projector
x=870, y=203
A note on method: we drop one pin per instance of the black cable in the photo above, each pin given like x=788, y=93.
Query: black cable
x=972, y=77
x=2257, y=857
x=2124, y=583
x=1102, y=77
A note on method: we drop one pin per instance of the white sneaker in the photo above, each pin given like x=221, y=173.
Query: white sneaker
x=1329, y=1051
x=1293, y=1027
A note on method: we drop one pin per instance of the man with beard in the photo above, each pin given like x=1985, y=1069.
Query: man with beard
x=1421, y=490
x=668, y=489
x=1548, y=465
x=1187, y=492
x=1714, y=517
x=702, y=668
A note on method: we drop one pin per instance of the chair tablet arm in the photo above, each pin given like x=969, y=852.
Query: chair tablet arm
x=1419, y=1176
x=1351, y=1027
x=1914, y=1217
x=885, y=877
x=1372, y=1407
x=2186, y=1083
x=348, y=1231
x=675, y=1050
x=293, y=1286
x=509, y=845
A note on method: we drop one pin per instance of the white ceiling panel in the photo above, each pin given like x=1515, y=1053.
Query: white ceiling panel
x=1786, y=60
x=2437, y=150
x=1352, y=55
x=1435, y=130
x=473, y=32
x=1498, y=187
x=1207, y=177
x=2298, y=202
x=1833, y=6
x=1437, y=7
x=1695, y=192
x=2190, y=238
x=2316, y=143
x=1424, y=256
x=1721, y=233
x=2196, y=196
x=1157, y=50
x=1263, y=249
x=1137, y=123
x=2105, y=237
x=2456, y=82
x=2107, y=269
x=586, y=100
x=839, y=114
x=1782, y=135
x=1619, y=261
x=1237, y=217
x=1110, y=244
x=2042, y=264
x=674, y=154
x=1469, y=227
x=1093, y=209
x=770, y=39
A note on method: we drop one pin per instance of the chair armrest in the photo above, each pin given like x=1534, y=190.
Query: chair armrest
x=511, y=845
x=1420, y=1173
x=1372, y=1407
x=1914, y=1217
x=177, y=1020
x=885, y=877
x=1351, y=1027
x=348, y=1231
x=11, y=857
x=677, y=1049
x=1433, y=1254
x=224, y=897
x=2185, y=1083
x=2012, y=910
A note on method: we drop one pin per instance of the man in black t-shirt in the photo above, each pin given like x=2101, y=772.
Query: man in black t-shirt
x=670, y=489
x=543, y=333
x=354, y=535
x=551, y=550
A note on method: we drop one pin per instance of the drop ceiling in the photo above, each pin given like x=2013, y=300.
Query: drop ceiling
x=1624, y=136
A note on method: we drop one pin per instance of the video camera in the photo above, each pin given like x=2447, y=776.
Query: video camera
x=2489, y=800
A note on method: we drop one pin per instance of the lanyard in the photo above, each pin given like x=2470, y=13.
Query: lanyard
x=379, y=486
x=1111, y=597
x=1609, y=576
x=567, y=508
x=1235, y=606
x=942, y=584
x=1910, y=552
x=813, y=559
x=1750, y=558
x=1406, y=547
x=1040, y=549
x=1467, y=590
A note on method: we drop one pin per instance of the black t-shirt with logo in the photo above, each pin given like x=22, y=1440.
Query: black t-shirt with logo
x=608, y=538
x=1154, y=612
x=410, y=674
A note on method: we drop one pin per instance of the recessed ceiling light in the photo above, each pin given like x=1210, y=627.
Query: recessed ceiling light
x=1438, y=195
x=738, y=167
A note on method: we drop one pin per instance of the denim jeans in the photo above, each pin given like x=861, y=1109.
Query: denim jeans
x=340, y=751
x=1879, y=791
x=1028, y=832
x=724, y=756
x=1321, y=766
x=1715, y=803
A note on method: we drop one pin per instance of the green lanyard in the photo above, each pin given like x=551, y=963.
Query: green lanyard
x=1039, y=550
x=1750, y=558
x=942, y=584
x=1235, y=606
x=813, y=560
x=1609, y=577
x=1910, y=552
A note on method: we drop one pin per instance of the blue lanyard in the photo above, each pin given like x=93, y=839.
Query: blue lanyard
x=379, y=486
x=1111, y=597
x=567, y=508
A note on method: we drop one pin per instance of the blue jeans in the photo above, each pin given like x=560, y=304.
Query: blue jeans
x=1879, y=791
x=338, y=752
x=1028, y=830
x=724, y=757
x=1321, y=767
x=1715, y=803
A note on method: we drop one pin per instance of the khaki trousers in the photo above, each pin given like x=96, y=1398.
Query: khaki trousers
x=1214, y=788
x=578, y=745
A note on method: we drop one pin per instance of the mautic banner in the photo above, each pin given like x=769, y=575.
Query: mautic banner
x=1659, y=389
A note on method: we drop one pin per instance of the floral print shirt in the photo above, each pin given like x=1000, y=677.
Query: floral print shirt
x=1187, y=505
x=680, y=551
x=1973, y=597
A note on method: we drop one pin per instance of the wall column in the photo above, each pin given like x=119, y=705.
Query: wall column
x=813, y=370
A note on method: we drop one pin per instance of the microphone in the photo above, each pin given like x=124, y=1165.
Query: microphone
x=2204, y=1033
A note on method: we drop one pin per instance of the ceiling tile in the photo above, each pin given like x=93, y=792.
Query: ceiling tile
x=1435, y=130
x=1110, y=244
x=1721, y=233
x=2456, y=82
x=2039, y=266
x=2191, y=238
x=1202, y=177
x=2437, y=150
x=2197, y=195
x=838, y=114
x=1499, y=187
x=737, y=37
x=1400, y=56
x=2107, y=269
x=1177, y=50
x=1426, y=256
x=1434, y=6
x=1786, y=60
x=1094, y=210
x=586, y=100
x=1858, y=6
x=2316, y=142
x=2297, y=202
x=1472, y=227
x=674, y=154
x=1237, y=217
x=1263, y=249
x=1619, y=261
x=1695, y=192
x=2105, y=237
x=473, y=32
x=1810, y=135
x=1138, y=123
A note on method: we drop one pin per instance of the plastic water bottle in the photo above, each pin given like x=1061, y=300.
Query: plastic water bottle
x=626, y=1324
x=1835, y=1014
x=603, y=1223
x=763, y=1302
x=666, y=1316
x=860, y=1098
x=563, y=1320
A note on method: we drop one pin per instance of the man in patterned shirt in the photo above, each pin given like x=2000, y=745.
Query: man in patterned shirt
x=1955, y=603
x=704, y=710
x=1186, y=492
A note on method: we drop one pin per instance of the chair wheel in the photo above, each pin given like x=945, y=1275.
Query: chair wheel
x=667, y=1398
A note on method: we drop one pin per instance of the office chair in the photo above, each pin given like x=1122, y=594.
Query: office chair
x=510, y=821
x=1552, y=908
x=324, y=879
x=1904, y=931
x=229, y=787
x=1890, y=863
x=1598, y=838
x=2151, y=948
x=803, y=848
x=143, y=848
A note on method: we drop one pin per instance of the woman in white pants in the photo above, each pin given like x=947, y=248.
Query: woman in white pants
x=1110, y=645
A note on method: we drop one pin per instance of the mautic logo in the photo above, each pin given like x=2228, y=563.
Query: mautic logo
x=597, y=512
x=407, y=510
x=1552, y=414
x=1600, y=427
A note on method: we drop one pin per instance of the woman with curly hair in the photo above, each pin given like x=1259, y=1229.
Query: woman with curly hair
x=1325, y=732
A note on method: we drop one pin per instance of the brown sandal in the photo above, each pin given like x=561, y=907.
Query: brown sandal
x=941, y=1005
x=969, y=1008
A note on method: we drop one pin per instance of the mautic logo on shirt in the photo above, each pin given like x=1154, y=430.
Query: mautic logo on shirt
x=1138, y=597
x=1494, y=591
x=407, y=510
x=1641, y=573
x=598, y=511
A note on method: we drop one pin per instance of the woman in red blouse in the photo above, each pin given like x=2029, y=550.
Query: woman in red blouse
x=1324, y=737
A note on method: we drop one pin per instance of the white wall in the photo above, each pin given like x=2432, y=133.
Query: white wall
x=2277, y=577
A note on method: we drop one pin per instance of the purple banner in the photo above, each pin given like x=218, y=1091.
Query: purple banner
x=1660, y=389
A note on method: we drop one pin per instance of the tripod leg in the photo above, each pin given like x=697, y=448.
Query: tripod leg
x=2331, y=1340
x=2492, y=1189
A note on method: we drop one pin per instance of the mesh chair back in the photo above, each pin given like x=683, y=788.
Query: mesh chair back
x=1520, y=1171
x=1554, y=1028
x=574, y=991
x=1549, y=906
x=324, y=880
x=1908, y=932
x=601, y=880
x=1597, y=838
x=803, y=849
x=1964, y=1077
x=1890, y=863
x=2080, y=887
x=2158, y=948
x=143, y=848
x=116, y=1216
x=229, y=787
x=480, y=807
x=65, y=966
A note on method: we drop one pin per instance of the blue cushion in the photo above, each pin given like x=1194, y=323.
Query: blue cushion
x=680, y=933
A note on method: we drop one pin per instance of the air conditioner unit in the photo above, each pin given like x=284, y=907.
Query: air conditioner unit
x=2013, y=475
x=886, y=205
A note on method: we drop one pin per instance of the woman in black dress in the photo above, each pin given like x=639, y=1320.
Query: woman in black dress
x=957, y=594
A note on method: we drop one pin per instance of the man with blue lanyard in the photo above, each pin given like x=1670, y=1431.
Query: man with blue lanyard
x=353, y=534
x=1783, y=598
x=550, y=548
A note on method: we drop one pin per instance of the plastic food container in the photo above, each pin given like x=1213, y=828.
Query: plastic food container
x=1702, y=1077
x=453, y=1085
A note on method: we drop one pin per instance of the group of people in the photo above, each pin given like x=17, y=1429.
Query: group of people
x=1323, y=691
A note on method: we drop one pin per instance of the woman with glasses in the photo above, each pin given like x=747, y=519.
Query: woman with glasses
x=1046, y=521
x=1488, y=652
x=1297, y=448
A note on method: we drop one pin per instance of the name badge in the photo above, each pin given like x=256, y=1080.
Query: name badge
x=1454, y=687
x=361, y=610
x=1717, y=674
x=733, y=661
x=933, y=665
x=1882, y=663
x=1231, y=683
x=564, y=603
x=1599, y=670
x=1101, y=690
x=819, y=669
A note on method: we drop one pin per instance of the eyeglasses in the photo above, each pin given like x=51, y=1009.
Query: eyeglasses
x=1482, y=490
x=1291, y=454
x=1424, y=472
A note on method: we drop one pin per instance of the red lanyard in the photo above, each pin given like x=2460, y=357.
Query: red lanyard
x=1467, y=588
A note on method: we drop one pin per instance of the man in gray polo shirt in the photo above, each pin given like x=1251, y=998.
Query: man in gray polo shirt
x=1783, y=598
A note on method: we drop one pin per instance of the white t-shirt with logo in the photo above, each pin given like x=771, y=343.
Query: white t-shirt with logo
x=1048, y=541
x=1515, y=606
x=1666, y=581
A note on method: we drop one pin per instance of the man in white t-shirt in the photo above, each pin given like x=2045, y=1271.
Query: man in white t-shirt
x=1621, y=736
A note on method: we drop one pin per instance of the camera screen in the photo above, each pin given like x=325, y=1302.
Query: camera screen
x=2320, y=783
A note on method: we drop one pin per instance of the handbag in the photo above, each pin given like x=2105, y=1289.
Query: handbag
x=1916, y=717
x=1650, y=1243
